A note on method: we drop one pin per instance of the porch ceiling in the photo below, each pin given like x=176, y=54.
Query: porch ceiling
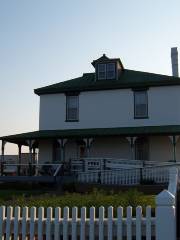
x=93, y=132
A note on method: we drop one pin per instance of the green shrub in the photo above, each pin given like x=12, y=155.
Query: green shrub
x=95, y=198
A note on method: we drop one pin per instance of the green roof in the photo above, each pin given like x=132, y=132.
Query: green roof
x=94, y=132
x=127, y=79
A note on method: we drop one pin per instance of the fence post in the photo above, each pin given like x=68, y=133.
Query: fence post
x=165, y=216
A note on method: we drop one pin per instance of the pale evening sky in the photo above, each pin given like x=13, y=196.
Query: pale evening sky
x=43, y=42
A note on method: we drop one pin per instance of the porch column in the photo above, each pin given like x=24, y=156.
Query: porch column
x=19, y=159
x=30, y=144
x=88, y=142
x=2, y=155
x=131, y=141
x=174, y=140
x=62, y=143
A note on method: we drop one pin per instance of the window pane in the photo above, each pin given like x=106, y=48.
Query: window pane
x=140, y=97
x=101, y=71
x=141, y=104
x=72, y=101
x=72, y=108
x=110, y=70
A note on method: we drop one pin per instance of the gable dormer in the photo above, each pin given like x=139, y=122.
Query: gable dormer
x=107, y=68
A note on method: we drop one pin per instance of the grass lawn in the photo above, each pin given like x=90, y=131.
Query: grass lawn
x=95, y=198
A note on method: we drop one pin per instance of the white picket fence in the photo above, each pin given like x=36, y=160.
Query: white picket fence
x=52, y=224
x=33, y=223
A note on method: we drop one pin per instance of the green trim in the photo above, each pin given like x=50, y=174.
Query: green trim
x=94, y=132
x=127, y=79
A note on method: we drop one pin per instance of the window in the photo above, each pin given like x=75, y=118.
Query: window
x=110, y=68
x=140, y=104
x=101, y=71
x=72, y=108
x=106, y=71
x=142, y=148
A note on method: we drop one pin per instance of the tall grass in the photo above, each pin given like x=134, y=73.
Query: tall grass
x=96, y=198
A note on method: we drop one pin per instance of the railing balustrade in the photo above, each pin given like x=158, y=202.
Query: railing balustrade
x=30, y=169
x=157, y=174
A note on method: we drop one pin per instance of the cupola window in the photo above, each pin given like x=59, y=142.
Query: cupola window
x=110, y=70
x=101, y=71
x=107, y=68
x=106, y=71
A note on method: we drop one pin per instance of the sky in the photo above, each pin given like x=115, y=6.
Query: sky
x=44, y=42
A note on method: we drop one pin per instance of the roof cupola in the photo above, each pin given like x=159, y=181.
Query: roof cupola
x=107, y=68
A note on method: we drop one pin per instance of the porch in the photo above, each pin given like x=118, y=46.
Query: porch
x=79, y=153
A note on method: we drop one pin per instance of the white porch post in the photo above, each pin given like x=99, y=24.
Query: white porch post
x=174, y=140
x=62, y=143
x=88, y=142
x=30, y=144
x=2, y=155
x=132, y=141
x=19, y=159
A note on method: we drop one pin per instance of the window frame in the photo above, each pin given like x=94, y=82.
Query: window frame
x=98, y=72
x=67, y=117
x=145, y=116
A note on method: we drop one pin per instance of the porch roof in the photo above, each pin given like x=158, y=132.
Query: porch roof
x=93, y=132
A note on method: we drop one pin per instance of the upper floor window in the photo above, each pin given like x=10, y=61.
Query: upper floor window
x=72, y=108
x=106, y=71
x=140, y=104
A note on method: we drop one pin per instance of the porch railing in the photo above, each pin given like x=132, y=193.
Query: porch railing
x=30, y=169
x=157, y=174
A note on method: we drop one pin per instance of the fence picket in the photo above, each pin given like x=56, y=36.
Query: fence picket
x=48, y=223
x=40, y=223
x=129, y=223
x=74, y=223
x=8, y=223
x=57, y=223
x=138, y=223
x=24, y=222
x=110, y=223
x=32, y=223
x=119, y=223
x=92, y=223
x=16, y=223
x=2, y=218
x=148, y=223
x=101, y=223
x=83, y=223
x=65, y=223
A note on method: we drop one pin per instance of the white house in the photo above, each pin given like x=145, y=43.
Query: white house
x=112, y=112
